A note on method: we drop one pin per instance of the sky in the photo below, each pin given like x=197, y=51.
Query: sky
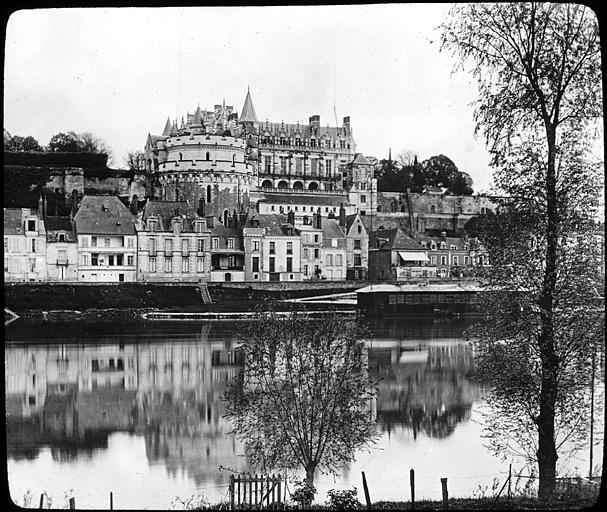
x=120, y=72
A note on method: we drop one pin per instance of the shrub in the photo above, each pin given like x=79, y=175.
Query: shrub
x=343, y=500
x=304, y=493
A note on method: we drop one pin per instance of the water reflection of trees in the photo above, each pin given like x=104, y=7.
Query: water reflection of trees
x=425, y=384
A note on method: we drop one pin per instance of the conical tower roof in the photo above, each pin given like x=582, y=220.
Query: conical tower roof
x=197, y=121
x=248, y=114
x=167, y=128
x=174, y=128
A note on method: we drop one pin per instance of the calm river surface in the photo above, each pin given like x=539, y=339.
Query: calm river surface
x=135, y=410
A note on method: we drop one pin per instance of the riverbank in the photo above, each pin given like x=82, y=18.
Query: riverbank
x=134, y=301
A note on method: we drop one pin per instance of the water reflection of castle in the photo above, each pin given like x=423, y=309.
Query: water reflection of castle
x=71, y=396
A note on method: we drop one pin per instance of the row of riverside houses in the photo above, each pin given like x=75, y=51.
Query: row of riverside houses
x=103, y=240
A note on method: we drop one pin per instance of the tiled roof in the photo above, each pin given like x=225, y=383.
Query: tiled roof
x=273, y=225
x=331, y=229
x=12, y=221
x=54, y=224
x=165, y=211
x=104, y=215
x=396, y=239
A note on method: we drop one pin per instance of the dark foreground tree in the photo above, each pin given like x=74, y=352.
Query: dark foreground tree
x=303, y=397
x=18, y=143
x=539, y=73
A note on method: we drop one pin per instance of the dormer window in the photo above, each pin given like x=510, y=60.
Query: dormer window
x=443, y=245
x=152, y=225
x=433, y=245
x=453, y=247
x=176, y=226
x=31, y=225
x=61, y=237
x=199, y=226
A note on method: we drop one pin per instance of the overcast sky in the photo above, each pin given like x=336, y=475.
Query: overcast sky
x=119, y=73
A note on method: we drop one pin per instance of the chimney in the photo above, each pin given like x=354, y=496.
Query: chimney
x=41, y=207
x=342, y=214
x=201, y=207
x=443, y=236
x=134, y=204
x=315, y=124
x=318, y=220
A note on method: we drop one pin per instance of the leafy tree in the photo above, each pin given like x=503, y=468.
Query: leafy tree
x=539, y=74
x=18, y=143
x=72, y=142
x=302, y=398
x=64, y=143
x=135, y=160
x=440, y=171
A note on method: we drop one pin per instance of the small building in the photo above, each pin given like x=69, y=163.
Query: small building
x=273, y=248
x=227, y=248
x=357, y=245
x=24, y=245
x=174, y=243
x=395, y=256
x=61, y=249
x=333, y=251
x=311, y=234
x=420, y=299
x=107, y=240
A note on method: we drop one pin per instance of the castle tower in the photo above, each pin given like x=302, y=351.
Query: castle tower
x=249, y=125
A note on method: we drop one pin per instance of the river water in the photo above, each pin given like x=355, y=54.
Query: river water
x=136, y=410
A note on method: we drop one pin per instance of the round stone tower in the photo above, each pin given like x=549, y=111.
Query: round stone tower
x=197, y=164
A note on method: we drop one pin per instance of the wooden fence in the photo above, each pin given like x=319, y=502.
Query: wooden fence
x=255, y=490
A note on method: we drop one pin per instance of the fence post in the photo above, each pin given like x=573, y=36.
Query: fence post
x=231, y=492
x=366, y=489
x=412, y=483
x=443, y=482
x=111, y=500
x=41, y=500
x=509, y=482
x=72, y=503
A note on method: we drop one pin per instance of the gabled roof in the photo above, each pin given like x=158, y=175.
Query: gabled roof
x=394, y=239
x=165, y=211
x=350, y=220
x=359, y=159
x=248, y=110
x=331, y=229
x=104, y=215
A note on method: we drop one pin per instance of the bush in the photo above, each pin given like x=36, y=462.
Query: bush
x=304, y=493
x=343, y=500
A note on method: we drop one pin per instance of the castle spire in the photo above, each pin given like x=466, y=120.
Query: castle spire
x=197, y=121
x=167, y=128
x=248, y=110
x=174, y=128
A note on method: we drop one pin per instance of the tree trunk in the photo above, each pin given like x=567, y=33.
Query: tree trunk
x=310, y=480
x=546, y=453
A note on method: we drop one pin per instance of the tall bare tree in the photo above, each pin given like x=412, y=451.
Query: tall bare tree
x=539, y=74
